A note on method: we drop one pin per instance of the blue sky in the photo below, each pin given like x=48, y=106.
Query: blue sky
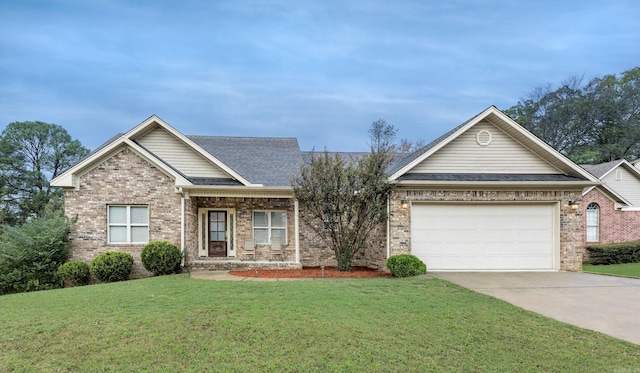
x=320, y=71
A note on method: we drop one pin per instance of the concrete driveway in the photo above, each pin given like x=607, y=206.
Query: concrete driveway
x=609, y=305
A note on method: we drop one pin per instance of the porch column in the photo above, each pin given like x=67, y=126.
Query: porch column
x=296, y=208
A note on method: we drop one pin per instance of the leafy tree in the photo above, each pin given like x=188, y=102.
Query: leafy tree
x=31, y=253
x=346, y=199
x=591, y=123
x=31, y=153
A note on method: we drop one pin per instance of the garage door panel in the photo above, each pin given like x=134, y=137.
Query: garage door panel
x=461, y=236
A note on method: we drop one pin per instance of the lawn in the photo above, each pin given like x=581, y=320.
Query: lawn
x=175, y=324
x=626, y=269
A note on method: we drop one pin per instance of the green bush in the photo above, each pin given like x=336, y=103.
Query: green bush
x=405, y=265
x=161, y=257
x=112, y=266
x=614, y=253
x=31, y=253
x=74, y=274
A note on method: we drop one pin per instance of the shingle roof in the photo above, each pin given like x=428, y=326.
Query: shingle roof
x=599, y=170
x=261, y=160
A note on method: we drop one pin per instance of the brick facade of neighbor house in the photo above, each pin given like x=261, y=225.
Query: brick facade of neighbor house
x=123, y=179
x=614, y=225
x=571, y=222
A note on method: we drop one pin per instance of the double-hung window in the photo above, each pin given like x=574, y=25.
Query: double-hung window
x=593, y=222
x=128, y=224
x=268, y=224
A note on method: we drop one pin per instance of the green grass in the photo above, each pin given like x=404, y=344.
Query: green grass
x=626, y=269
x=175, y=323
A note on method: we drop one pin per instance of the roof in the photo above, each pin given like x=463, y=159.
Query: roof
x=261, y=160
x=601, y=169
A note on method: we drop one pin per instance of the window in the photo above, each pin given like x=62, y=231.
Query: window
x=618, y=174
x=267, y=224
x=593, y=222
x=128, y=224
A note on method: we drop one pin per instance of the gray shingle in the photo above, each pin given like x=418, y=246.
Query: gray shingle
x=269, y=161
x=599, y=170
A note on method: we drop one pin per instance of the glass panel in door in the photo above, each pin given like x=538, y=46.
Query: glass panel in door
x=217, y=233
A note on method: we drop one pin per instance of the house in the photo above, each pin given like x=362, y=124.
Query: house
x=612, y=210
x=487, y=195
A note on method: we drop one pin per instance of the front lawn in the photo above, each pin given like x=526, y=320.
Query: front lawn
x=626, y=269
x=175, y=324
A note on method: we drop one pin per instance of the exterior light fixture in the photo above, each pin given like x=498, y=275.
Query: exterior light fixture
x=573, y=205
x=404, y=204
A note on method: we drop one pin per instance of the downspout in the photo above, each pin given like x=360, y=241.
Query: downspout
x=388, y=227
x=296, y=213
x=183, y=196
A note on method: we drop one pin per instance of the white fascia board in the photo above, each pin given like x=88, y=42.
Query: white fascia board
x=440, y=145
x=191, y=144
x=179, y=179
x=566, y=161
x=68, y=178
x=613, y=168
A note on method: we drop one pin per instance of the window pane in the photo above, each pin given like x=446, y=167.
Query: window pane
x=279, y=219
x=139, y=234
x=117, y=234
x=261, y=235
x=139, y=215
x=282, y=233
x=260, y=219
x=592, y=234
x=117, y=215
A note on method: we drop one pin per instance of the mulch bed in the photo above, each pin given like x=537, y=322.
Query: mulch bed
x=312, y=272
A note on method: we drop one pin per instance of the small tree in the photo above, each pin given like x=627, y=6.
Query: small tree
x=346, y=199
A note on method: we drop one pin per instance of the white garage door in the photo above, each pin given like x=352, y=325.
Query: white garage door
x=484, y=237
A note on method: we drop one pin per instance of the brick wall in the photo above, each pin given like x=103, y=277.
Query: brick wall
x=615, y=225
x=571, y=222
x=314, y=252
x=123, y=179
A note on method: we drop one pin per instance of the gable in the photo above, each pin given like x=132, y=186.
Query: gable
x=180, y=156
x=485, y=148
x=625, y=183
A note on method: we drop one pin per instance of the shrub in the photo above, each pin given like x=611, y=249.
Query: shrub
x=31, y=253
x=74, y=273
x=405, y=265
x=161, y=257
x=614, y=253
x=112, y=266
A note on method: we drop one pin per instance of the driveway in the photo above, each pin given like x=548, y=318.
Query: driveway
x=609, y=305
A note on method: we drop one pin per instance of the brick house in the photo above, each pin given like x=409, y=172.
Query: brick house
x=612, y=210
x=487, y=195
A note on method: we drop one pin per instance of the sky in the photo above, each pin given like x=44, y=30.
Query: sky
x=320, y=71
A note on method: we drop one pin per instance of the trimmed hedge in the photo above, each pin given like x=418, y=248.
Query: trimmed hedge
x=74, y=273
x=614, y=253
x=405, y=265
x=112, y=266
x=161, y=257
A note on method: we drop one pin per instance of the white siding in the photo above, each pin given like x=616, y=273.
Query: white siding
x=502, y=155
x=179, y=155
x=628, y=187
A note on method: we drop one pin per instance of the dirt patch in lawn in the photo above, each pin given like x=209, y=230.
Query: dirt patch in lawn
x=312, y=272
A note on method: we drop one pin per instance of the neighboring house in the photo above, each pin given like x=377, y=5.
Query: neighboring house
x=488, y=195
x=612, y=210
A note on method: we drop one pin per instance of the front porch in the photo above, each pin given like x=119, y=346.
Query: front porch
x=241, y=233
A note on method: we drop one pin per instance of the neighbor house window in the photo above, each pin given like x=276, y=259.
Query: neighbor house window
x=593, y=222
x=268, y=224
x=128, y=224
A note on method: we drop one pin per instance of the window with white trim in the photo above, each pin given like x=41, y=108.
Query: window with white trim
x=128, y=224
x=268, y=224
x=593, y=222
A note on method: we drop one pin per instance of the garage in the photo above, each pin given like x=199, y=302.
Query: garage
x=485, y=237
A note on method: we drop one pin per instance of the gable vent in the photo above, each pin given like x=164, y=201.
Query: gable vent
x=483, y=138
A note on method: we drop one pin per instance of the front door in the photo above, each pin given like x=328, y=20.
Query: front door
x=217, y=233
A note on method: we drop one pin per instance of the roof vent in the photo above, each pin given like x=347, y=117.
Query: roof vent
x=483, y=138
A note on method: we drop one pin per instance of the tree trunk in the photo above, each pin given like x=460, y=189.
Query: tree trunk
x=344, y=261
